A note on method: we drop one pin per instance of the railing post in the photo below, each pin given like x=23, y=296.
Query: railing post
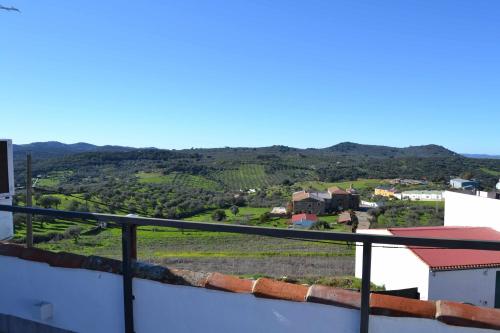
x=365, y=287
x=128, y=249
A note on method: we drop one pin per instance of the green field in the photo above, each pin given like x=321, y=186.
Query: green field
x=491, y=172
x=357, y=184
x=223, y=252
x=176, y=178
x=53, y=179
x=249, y=176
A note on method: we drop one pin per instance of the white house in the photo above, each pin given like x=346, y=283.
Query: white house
x=470, y=276
x=421, y=195
x=470, y=210
x=6, y=188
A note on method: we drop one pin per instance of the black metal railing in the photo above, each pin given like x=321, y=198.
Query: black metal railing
x=129, y=245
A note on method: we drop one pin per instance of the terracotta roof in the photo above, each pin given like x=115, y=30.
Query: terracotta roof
x=304, y=217
x=297, y=196
x=336, y=190
x=453, y=259
x=452, y=313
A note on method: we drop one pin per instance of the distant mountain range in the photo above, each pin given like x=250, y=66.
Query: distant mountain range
x=495, y=157
x=57, y=149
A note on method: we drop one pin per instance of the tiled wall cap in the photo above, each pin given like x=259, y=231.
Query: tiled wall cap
x=270, y=288
x=190, y=278
x=67, y=260
x=11, y=250
x=229, y=283
x=459, y=314
x=334, y=296
x=387, y=305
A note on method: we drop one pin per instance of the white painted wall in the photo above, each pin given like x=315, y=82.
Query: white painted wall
x=470, y=210
x=6, y=221
x=89, y=301
x=426, y=196
x=475, y=286
x=395, y=268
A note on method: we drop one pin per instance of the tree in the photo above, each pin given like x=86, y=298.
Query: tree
x=466, y=175
x=265, y=217
x=235, y=210
x=73, y=232
x=48, y=201
x=219, y=215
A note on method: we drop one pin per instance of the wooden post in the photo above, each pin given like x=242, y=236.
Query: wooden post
x=29, y=201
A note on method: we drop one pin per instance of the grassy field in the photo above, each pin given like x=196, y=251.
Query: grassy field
x=491, y=172
x=357, y=184
x=176, y=178
x=223, y=252
x=53, y=179
x=249, y=176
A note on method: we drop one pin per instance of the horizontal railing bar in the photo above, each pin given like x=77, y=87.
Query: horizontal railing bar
x=263, y=231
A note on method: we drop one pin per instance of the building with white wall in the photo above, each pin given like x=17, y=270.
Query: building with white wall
x=470, y=276
x=462, y=209
x=420, y=195
x=6, y=188
x=465, y=184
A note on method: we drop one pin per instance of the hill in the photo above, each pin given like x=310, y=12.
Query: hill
x=55, y=149
x=356, y=149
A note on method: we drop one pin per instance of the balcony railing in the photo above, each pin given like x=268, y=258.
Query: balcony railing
x=129, y=245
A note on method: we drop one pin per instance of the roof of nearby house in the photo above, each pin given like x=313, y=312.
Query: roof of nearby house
x=454, y=259
x=304, y=217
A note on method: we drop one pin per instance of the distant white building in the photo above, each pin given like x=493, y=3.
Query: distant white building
x=421, y=195
x=465, y=184
x=471, y=276
x=278, y=211
x=471, y=210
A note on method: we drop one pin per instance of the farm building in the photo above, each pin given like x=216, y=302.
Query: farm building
x=421, y=195
x=278, y=211
x=464, y=184
x=334, y=199
x=471, y=276
x=386, y=191
x=303, y=221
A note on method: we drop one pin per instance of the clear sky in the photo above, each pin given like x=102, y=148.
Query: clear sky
x=211, y=73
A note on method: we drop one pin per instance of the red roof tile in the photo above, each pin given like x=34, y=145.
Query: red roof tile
x=304, y=217
x=452, y=259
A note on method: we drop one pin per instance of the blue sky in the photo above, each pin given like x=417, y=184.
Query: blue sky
x=181, y=74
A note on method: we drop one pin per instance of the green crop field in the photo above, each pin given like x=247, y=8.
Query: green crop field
x=249, y=176
x=177, y=178
x=358, y=184
x=491, y=172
